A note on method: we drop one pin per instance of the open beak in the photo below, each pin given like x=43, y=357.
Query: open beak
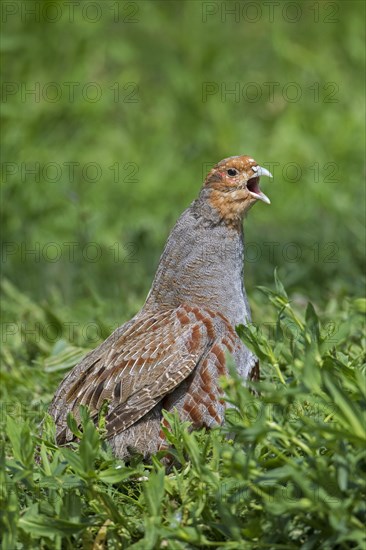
x=253, y=183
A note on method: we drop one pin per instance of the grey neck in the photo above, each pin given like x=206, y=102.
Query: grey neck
x=202, y=264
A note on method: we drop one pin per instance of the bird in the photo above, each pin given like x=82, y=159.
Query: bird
x=172, y=353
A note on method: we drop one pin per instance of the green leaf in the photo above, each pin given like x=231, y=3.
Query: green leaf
x=89, y=446
x=249, y=336
x=279, y=286
x=73, y=425
x=21, y=440
x=359, y=305
x=312, y=323
x=40, y=525
x=116, y=474
x=348, y=414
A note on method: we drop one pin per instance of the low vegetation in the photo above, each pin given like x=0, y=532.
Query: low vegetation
x=286, y=470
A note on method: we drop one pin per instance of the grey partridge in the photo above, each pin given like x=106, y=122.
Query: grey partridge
x=172, y=353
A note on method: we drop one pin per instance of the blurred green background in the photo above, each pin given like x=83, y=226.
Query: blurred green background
x=137, y=95
x=112, y=114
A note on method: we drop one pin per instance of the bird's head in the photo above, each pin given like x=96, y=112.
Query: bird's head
x=232, y=187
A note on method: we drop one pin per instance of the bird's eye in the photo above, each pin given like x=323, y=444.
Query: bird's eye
x=232, y=172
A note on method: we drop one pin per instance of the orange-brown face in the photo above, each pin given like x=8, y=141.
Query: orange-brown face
x=234, y=187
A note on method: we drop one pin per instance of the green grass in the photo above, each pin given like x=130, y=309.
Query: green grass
x=288, y=469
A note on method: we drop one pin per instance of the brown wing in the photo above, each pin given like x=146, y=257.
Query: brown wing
x=150, y=358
